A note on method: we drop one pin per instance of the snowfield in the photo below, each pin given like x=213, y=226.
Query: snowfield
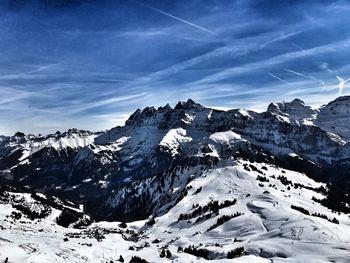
x=256, y=199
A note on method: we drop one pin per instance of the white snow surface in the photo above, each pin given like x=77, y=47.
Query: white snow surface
x=225, y=137
x=73, y=141
x=174, y=138
x=268, y=229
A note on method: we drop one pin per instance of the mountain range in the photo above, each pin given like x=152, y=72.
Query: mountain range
x=184, y=183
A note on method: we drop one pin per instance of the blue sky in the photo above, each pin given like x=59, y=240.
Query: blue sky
x=89, y=64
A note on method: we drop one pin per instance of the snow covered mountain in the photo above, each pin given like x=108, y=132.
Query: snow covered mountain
x=250, y=212
x=206, y=183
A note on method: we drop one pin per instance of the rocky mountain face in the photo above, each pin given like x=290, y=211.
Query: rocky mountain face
x=142, y=168
x=334, y=117
x=295, y=109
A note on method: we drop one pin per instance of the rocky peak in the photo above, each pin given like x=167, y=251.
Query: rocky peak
x=189, y=104
x=163, y=114
x=335, y=117
x=164, y=108
x=343, y=99
x=297, y=102
x=273, y=107
x=19, y=134
x=340, y=105
x=295, y=109
x=148, y=112
x=76, y=132
x=71, y=132
x=133, y=117
x=140, y=115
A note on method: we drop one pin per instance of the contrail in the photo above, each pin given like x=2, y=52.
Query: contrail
x=280, y=38
x=318, y=80
x=297, y=46
x=278, y=78
x=341, y=84
x=296, y=73
x=304, y=76
x=175, y=17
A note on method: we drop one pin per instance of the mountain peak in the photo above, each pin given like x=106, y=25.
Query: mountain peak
x=339, y=105
x=297, y=101
x=335, y=117
x=19, y=134
x=295, y=109
x=342, y=99
x=187, y=104
x=166, y=107
x=133, y=117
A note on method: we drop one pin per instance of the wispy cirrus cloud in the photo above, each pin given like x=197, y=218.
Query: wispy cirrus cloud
x=87, y=106
x=341, y=45
x=92, y=61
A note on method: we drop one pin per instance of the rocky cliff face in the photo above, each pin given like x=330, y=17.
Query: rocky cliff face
x=132, y=171
x=296, y=109
x=335, y=116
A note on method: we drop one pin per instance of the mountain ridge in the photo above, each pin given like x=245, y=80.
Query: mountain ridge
x=186, y=183
x=79, y=164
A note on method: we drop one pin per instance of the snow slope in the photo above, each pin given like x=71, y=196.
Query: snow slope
x=267, y=228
